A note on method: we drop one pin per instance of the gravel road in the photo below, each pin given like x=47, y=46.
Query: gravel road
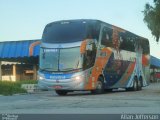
x=121, y=101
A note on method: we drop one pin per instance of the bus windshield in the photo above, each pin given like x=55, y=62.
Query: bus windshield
x=64, y=32
x=60, y=60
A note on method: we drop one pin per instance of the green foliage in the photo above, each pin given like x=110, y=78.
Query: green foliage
x=27, y=82
x=152, y=18
x=10, y=88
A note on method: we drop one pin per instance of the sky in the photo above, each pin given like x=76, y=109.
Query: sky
x=26, y=19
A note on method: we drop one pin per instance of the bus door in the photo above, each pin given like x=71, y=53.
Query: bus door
x=90, y=54
x=89, y=57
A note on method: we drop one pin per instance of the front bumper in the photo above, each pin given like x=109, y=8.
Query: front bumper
x=67, y=84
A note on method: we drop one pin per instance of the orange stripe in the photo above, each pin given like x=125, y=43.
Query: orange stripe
x=31, y=47
x=83, y=47
x=127, y=74
x=145, y=60
x=98, y=67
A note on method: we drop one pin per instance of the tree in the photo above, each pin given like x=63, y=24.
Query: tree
x=152, y=18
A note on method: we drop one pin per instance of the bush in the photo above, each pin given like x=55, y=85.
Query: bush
x=10, y=88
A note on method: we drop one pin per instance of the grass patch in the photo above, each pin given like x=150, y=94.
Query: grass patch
x=10, y=88
x=26, y=82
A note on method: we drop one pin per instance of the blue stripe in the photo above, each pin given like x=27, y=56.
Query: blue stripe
x=58, y=76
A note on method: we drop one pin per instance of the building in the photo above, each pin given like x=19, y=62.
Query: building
x=154, y=69
x=19, y=60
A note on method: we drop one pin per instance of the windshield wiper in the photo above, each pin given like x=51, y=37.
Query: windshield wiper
x=69, y=69
x=46, y=69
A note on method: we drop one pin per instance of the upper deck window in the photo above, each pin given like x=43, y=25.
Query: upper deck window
x=64, y=32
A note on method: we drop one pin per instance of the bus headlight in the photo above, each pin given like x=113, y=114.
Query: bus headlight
x=78, y=78
x=41, y=77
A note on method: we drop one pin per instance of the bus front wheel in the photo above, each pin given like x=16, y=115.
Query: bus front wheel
x=99, y=86
x=61, y=92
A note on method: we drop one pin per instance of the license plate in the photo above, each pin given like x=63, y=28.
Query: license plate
x=57, y=87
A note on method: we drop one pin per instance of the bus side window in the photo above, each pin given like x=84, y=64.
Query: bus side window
x=145, y=46
x=93, y=31
x=96, y=31
x=106, y=37
x=123, y=41
x=127, y=42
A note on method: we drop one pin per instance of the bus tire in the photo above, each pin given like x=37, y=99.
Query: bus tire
x=135, y=85
x=61, y=92
x=128, y=89
x=140, y=83
x=108, y=90
x=99, y=86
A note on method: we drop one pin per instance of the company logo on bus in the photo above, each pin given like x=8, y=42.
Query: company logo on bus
x=57, y=77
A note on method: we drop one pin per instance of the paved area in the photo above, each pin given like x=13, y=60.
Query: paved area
x=145, y=101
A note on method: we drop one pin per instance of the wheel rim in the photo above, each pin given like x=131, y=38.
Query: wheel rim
x=135, y=85
x=99, y=85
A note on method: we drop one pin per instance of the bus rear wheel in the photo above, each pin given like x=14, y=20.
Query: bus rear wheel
x=108, y=90
x=140, y=83
x=61, y=92
x=135, y=85
x=99, y=87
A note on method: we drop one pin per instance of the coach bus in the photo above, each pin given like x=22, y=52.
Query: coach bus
x=92, y=55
